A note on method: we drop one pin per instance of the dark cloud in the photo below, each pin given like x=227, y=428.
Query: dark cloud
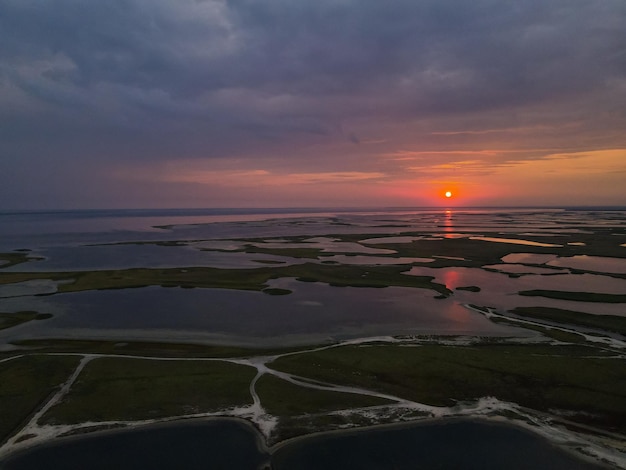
x=156, y=79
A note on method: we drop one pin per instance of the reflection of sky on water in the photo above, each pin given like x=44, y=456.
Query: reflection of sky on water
x=591, y=263
x=313, y=312
x=499, y=291
x=448, y=224
x=141, y=256
x=527, y=258
x=601, y=264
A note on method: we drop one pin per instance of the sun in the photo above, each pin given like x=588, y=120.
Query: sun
x=448, y=194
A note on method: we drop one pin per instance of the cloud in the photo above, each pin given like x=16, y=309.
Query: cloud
x=291, y=83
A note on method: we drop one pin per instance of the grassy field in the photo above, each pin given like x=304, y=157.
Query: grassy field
x=538, y=377
x=25, y=382
x=134, y=389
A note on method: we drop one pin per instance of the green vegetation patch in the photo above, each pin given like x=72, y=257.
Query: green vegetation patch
x=576, y=296
x=604, y=322
x=539, y=377
x=25, y=383
x=276, y=291
x=469, y=288
x=9, y=320
x=282, y=398
x=133, y=389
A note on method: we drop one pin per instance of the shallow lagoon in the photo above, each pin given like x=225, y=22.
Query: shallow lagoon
x=103, y=257
x=314, y=312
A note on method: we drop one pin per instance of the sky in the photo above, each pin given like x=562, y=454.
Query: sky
x=311, y=103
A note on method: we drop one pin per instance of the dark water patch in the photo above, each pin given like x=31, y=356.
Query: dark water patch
x=195, y=445
x=127, y=256
x=451, y=445
x=312, y=312
x=232, y=444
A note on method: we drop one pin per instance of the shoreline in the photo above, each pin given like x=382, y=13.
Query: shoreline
x=264, y=449
x=497, y=420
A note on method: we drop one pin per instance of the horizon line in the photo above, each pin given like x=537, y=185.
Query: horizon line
x=313, y=208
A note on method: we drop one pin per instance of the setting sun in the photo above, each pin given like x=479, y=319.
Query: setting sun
x=448, y=194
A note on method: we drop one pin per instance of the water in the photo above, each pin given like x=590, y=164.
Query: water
x=464, y=445
x=228, y=444
x=313, y=313
x=62, y=228
x=193, y=445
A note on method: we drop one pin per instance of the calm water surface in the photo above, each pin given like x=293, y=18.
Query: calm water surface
x=194, y=445
x=314, y=312
x=467, y=445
